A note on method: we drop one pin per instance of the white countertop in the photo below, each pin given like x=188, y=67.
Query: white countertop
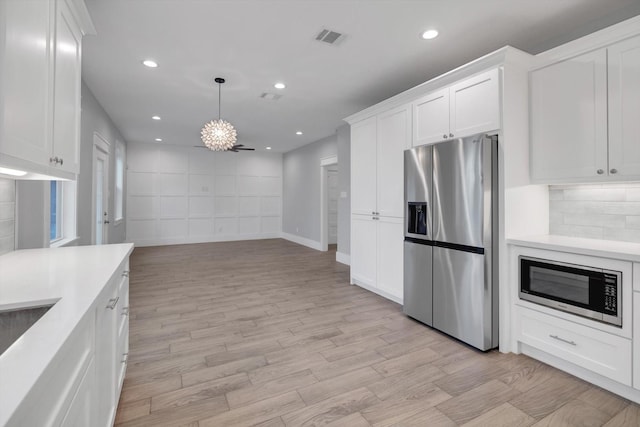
x=601, y=248
x=72, y=276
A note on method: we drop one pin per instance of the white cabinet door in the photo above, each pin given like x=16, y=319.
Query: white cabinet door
x=475, y=105
x=24, y=86
x=106, y=347
x=363, y=166
x=66, y=106
x=363, y=249
x=393, y=137
x=390, y=265
x=624, y=109
x=431, y=118
x=81, y=410
x=569, y=119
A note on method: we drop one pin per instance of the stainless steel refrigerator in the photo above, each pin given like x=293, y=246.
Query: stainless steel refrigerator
x=450, y=248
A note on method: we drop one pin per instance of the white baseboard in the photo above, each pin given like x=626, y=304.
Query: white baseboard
x=200, y=239
x=313, y=244
x=343, y=258
x=376, y=290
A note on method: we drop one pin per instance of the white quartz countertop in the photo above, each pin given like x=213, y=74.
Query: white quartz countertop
x=72, y=276
x=601, y=248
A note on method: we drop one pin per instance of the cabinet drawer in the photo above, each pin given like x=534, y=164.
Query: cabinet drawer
x=600, y=352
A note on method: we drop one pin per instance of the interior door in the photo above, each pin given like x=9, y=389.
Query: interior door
x=100, y=198
x=332, y=206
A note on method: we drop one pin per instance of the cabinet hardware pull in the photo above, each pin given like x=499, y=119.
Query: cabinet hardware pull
x=600, y=171
x=125, y=311
x=373, y=213
x=112, y=303
x=125, y=357
x=614, y=170
x=555, y=337
x=451, y=135
x=53, y=160
x=444, y=136
x=125, y=273
x=61, y=161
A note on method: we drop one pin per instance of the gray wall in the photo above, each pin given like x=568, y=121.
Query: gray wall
x=95, y=119
x=301, y=188
x=344, y=186
x=608, y=211
x=7, y=214
x=31, y=230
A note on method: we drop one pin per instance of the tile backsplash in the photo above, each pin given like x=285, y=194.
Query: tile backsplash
x=606, y=211
x=7, y=214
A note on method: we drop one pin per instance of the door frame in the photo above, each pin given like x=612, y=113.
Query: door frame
x=324, y=166
x=100, y=147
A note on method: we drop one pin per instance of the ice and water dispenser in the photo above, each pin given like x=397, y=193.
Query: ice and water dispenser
x=417, y=219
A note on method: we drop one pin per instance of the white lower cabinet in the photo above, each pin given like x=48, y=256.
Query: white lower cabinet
x=112, y=334
x=600, y=352
x=80, y=411
x=376, y=254
x=636, y=338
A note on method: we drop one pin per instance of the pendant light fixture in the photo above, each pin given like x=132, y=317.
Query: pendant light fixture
x=219, y=135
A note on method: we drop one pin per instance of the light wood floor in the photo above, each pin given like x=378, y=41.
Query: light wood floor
x=270, y=333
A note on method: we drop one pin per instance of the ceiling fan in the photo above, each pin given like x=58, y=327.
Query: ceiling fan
x=236, y=148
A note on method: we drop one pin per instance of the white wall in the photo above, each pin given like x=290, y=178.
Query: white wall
x=181, y=194
x=344, y=189
x=7, y=215
x=301, y=197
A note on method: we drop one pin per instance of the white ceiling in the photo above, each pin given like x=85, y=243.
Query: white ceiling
x=255, y=43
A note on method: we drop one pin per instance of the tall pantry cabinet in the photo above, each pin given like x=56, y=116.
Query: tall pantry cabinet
x=377, y=152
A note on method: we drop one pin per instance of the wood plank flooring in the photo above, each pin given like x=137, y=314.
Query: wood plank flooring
x=270, y=333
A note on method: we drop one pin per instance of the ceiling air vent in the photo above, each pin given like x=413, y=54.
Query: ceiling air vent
x=270, y=96
x=330, y=37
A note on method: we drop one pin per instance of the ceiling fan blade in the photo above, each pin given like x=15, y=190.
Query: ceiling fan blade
x=245, y=149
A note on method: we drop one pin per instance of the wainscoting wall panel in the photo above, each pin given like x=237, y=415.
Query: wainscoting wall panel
x=187, y=195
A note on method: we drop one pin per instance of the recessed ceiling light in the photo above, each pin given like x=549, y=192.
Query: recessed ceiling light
x=268, y=148
x=149, y=63
x=156, y=117
x=298, y=133
x=430, y=34
x=279, y=85
x=158, y=139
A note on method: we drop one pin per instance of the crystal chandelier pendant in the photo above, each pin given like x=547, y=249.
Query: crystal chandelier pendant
x=219, y=135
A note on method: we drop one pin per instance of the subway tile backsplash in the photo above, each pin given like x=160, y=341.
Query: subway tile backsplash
x=605, y=211
x=7, y=215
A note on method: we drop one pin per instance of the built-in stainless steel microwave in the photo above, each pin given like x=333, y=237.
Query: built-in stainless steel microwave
x=591, y=292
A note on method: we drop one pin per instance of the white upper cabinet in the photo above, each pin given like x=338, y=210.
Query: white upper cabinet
x=363, y=166
x=475, y=105
x=40, y=64
x=66, y=93
x=569, y=118
x=24, y=86
x=394, y=136
x=377, y=163
x=624, y=109
x=466, y=108
x=584, y=117
x=431, y=118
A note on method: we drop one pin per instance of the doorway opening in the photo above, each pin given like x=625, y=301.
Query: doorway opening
x=100, y=208
x=329, y=203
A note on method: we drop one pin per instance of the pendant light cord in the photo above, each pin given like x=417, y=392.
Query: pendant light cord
x=219, y=96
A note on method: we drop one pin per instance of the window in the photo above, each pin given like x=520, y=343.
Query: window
x=55, y=213
x=62, y=212
x=120, y=162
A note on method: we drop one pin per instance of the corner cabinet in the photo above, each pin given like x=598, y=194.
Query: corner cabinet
x=40, y=88
x=377, y=182
x=584, y=117
x=466, y=108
